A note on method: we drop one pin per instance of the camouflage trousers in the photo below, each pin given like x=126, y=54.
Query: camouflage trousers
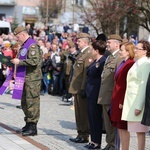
x=30, y=101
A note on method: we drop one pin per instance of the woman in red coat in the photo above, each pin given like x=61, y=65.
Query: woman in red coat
x=127, y=54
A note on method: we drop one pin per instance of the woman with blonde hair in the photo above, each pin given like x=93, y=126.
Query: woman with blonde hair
x=127, y=54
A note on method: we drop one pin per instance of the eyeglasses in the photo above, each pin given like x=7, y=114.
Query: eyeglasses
x=140, y=49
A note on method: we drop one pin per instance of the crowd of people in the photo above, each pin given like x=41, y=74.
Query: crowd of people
x=108, y=77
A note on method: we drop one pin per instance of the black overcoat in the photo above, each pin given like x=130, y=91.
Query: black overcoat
x=146, y=115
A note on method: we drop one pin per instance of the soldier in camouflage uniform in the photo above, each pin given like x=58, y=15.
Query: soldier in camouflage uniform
x=30, y=101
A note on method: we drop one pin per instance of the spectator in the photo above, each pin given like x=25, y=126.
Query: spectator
x=75, y=27
x=85, y=29
x=7, y=49
x=66, y=28
x=56, y=68
x=29, y=30
x=45, y=70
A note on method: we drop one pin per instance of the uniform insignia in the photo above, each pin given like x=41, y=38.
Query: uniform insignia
x=80, y=58
x=33, y=46
x=90, y=60
x=33, y=53
x=23, y=52
x=78, y=65
x=97, y=65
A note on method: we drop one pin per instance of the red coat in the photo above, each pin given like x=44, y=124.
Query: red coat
x=119, y=93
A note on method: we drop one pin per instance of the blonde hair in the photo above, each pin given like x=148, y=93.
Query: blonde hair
x=7, y=44
x=129, y=47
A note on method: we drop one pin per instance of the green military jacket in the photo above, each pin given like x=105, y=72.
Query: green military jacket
x=78, y=81
x=33, y=63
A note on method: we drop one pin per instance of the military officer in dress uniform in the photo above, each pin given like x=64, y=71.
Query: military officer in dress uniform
x=107, y=84
x=77, y=88
x=30, y=100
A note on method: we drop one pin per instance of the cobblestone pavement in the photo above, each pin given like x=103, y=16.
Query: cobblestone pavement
x=56, y=124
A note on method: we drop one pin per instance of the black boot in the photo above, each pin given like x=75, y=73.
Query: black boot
x=24, y=128
x=31, y=131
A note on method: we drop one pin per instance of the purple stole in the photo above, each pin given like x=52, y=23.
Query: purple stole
x=20, y=75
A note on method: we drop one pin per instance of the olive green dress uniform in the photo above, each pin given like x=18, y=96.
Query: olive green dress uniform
x=30, y=101
x=105, y=93
x=78, y=82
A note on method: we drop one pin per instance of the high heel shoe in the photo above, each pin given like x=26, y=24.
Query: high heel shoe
x=86, y=146
x=92, y=146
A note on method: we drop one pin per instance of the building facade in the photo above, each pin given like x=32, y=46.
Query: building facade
x=26, y=11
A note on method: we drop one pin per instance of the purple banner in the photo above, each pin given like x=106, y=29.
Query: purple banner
x=21, y=71
x=6, y=84
x=18, y=88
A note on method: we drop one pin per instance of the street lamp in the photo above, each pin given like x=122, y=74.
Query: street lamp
x=47, y=11
x=73, y=14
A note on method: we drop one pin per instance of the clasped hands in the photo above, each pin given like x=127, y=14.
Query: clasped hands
x=15, y=61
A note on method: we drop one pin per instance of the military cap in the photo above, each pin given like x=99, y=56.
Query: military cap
x=71, y=44
x=115, y=37
x=82, y=35
x=19, y=29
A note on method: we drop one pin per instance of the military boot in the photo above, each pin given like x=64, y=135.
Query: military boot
x=24, y=128
x=31, y=131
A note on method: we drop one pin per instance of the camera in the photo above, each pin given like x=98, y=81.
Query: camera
x=73, y=57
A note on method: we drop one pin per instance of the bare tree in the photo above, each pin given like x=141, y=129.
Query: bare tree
x=142, y=15
x=54, y=8
x=116, y=16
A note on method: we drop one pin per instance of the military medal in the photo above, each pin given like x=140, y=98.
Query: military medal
x=90, y=60
x=97, y=65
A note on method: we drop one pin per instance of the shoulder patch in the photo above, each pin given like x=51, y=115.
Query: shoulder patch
x=32, y=52
x=23, y=52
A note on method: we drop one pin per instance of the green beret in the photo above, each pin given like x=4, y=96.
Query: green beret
x=115, y=37
x=70, y=43
x=19, y=29
x=82, y=35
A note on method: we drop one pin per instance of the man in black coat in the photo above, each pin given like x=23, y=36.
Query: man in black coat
x=146, y=115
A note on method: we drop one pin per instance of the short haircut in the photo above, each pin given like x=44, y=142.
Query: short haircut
x=100, y=46
x=146, y=46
